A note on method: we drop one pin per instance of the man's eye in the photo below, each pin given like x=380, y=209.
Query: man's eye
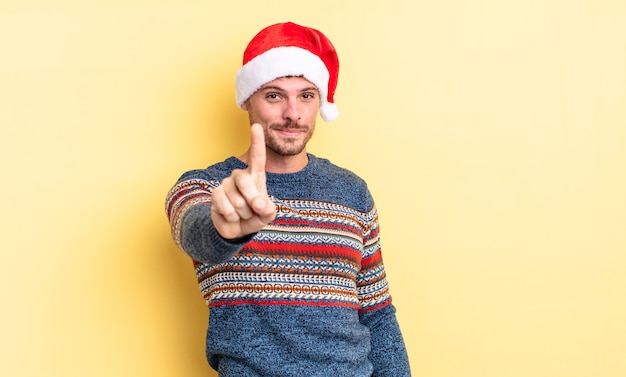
x=272, y=96
x=308, y=95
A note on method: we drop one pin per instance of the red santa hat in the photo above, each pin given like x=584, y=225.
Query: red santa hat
x=287, y=49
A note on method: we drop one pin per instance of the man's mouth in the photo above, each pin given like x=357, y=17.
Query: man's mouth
x=290, y=129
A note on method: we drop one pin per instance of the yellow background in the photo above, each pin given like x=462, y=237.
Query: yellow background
x=492, y=134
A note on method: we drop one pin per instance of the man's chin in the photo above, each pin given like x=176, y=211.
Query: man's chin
x=288, y=153
x=286, y=150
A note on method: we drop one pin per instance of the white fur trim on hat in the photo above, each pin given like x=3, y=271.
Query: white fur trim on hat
x=281, y=62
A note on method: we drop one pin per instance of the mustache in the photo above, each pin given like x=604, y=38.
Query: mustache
x=289, y=125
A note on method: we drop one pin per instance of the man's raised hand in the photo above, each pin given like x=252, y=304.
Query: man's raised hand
x=240, y=204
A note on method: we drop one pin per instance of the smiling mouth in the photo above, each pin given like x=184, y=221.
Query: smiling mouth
x=290, y=130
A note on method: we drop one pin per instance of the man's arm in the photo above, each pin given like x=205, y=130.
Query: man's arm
x=388, y=354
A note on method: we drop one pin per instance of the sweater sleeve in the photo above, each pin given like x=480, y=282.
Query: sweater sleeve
x=188, y=208
x=388, y=354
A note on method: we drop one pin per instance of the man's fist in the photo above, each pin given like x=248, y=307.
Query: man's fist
x=240, y=204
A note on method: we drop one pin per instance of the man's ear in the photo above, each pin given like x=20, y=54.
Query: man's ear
x=244, y=106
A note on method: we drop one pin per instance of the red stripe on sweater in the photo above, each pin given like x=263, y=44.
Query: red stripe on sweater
x=321, y=250
x=372, y=260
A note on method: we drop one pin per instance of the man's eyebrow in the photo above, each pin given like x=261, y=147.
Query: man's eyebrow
x=270, y=87
x=279, y=89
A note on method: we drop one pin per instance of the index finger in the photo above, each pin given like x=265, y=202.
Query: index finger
x=256, y=163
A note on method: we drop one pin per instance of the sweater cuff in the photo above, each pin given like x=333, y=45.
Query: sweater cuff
x=202, y=241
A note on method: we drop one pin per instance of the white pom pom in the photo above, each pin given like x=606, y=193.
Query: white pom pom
x=329, y=111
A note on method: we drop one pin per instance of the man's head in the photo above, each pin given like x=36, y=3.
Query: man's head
x=286, y=108
x=290, y=50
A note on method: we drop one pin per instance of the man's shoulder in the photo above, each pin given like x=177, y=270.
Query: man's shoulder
x=341, y=185
x=216, y=171
x=335, y=172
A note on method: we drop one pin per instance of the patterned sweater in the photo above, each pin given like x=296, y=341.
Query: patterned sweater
x=305, y=296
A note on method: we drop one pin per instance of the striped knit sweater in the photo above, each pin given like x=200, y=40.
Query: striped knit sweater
x=305, y=296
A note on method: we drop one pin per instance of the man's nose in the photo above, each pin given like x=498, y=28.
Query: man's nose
x=292, y=110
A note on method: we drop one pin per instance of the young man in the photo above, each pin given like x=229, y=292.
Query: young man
x=286, y=244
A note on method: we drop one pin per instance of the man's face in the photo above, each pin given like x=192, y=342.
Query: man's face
x=287, y=109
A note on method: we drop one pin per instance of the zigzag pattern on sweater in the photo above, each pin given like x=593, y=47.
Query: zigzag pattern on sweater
x=272, y=234
x=248, y=262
